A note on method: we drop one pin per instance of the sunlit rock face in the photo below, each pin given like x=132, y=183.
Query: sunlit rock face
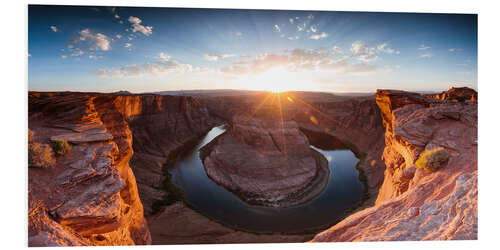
x=90, y=196
x=158, y=124
x=414, y=204
x=266, y=161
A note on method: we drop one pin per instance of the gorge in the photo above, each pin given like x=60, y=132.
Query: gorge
x=110, y=188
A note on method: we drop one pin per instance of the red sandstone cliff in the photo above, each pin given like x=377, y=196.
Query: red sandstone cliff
x=331, y=120
x=90, y=197
x=415, y=204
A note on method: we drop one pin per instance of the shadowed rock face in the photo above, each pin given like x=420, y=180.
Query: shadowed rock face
x=414, y=204
x=266, y=162
x=327, y=120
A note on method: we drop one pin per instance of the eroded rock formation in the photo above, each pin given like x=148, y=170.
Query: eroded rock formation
x=326, y=119
x=415, y=204
x=92, y=192
x=90, y=196
x=266, y=161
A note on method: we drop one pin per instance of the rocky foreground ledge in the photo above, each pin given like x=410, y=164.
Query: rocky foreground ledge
x=413, y=203
x=266, y=161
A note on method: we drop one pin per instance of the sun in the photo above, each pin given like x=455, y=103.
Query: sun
x=274, y=80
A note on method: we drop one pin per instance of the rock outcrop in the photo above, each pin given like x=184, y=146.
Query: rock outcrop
x=159, y=126
x=266, y=161
x=90, y=197
x=328, y=120
x=415, y=204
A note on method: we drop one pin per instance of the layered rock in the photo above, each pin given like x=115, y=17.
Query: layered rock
x=159, y=126
x=90, y=197
x=329, y=121
x=266, y=161
x=415, y=204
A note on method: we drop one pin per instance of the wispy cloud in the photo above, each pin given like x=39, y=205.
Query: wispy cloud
x=216, y=57
x=320, y=36
x=424, y=47
x=117, y=16
x=293, y=38
x=452, y=49
x=301, y=60
x=163, y=65
x=291, y=20
x=54, y=28
x=138, y=27
x=426, y=55
x=127, y=45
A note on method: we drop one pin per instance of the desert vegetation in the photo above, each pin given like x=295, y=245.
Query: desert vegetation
x=39, y=154
x=431, y=160
x=60, y=147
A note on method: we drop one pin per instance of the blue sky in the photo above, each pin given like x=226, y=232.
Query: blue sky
x=153, y=49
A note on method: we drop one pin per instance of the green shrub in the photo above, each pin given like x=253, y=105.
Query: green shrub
x=431, y=160
x=40, y=155
x=60, y=147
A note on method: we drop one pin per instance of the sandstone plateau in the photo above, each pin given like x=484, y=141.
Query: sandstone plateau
x=266, y=161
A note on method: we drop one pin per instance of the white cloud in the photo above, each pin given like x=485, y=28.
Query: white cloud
x=64, y=56
x=290, y=20
x=216, y=57
x=452, y=50
x=277, y=28
x=109, y=73
x=137, y=26
x=302, y=60
x=162, y=66
x=313, y=28
x=426, y=55
x=423, y=47
x=238, y=33
x=119, y=36
x=53, y=28
x=336, y=49
x=301, y=27
x=117, y=16
x=320, y=36
x=99, y=41
x=293, y=38
x=127, y=45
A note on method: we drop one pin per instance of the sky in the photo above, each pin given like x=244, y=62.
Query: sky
x=107, y=49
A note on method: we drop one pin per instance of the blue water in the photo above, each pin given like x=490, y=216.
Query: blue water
x=342, y=192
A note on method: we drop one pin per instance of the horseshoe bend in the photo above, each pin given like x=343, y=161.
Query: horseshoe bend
x=138, y=169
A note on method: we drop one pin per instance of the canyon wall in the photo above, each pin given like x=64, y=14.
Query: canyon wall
x=327, y=120
x=415, y=203
x=160, y=126
x=91, y=195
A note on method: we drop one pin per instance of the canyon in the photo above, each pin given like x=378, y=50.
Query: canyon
x=109, y=189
